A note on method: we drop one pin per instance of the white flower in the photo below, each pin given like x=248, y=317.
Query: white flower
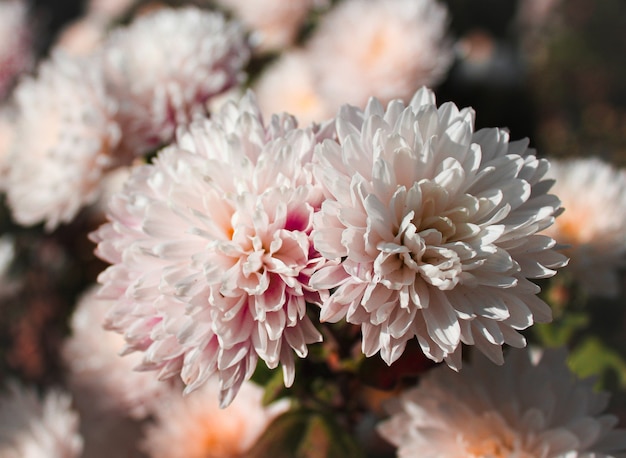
x=194, y=426
x=165, y=66
x=593, y=225
x=288, y=86
x=212, y=253
x=274, y=23
x=93, y=358
x=16, y=54
x=379, y=48
x=432, y=230
x=64, y=140
x=525, y=409
x=38, y=428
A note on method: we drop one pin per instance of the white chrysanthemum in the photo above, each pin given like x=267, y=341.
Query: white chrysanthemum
x=593, y=224
x=523, y=409
x=379, y=48
x=92, y=356
x=434, y=225
x=16, y=54
x=194, y=426
x=38, y=428
x=288, y=86
x=165, y=66
x=211, y=250
x=64, y=139
x=274, y=23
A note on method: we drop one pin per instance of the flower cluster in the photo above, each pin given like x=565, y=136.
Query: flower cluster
x=421, y=227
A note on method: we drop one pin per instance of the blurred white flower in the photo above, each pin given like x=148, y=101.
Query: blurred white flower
x=64, y=140
x=593, y=225
x=274, y=23
x=288, y=86
x=93, y=358
x=31, y=427
x=7, y=132
x=108, y=10
x=16, y=54
x=431, y=228
x=526, y=408
x=165, y=66
x=82, y=37
x=211, y=250
x=194, y=426
x=379, y=48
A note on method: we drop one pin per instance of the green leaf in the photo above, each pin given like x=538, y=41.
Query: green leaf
x=305, y=433
x=593, y=358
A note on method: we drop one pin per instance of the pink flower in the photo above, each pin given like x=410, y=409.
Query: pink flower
x=212, y=252
x=431, y=230
x=92, y=356
x=165, y=66
x=530, y=407
x=194, y=426
x=31, y=427
x=592, y=229
x=379, y=48
x=65, y=138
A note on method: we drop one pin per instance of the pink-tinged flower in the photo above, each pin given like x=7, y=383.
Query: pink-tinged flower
x=211, y=250
x=16, y=53
x=92, y=356
x=82, y=37
x=288, y=86
x=165, y=66
x=379, y=48
x=65, y=139
x=431, y=228
x=526, y=408
x=593, y=225
x=274, y=23
x=31, y=427
x=194, y=426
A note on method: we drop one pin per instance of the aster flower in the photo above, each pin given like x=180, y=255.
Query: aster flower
x=64, y=140
x=194, y=426
x=16, y=54
x=431, y=230
x=274, y=23
x=165, y=66
x=381, y=48
x=526, y=408
x=593, y=225
x=288, y=85
x=211, y=251
x=31, y=427
x=92, y=356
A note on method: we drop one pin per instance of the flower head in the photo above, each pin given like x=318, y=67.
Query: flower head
x=64, y=140
x=381, y=48
x=92, y=356
x=526, y=408
x=194, y=426
x=288, y=85
x=593, y=225
x=274, y=23
x=34, y=428
x=165, y=66
x=212, y=252
x=431, y=230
